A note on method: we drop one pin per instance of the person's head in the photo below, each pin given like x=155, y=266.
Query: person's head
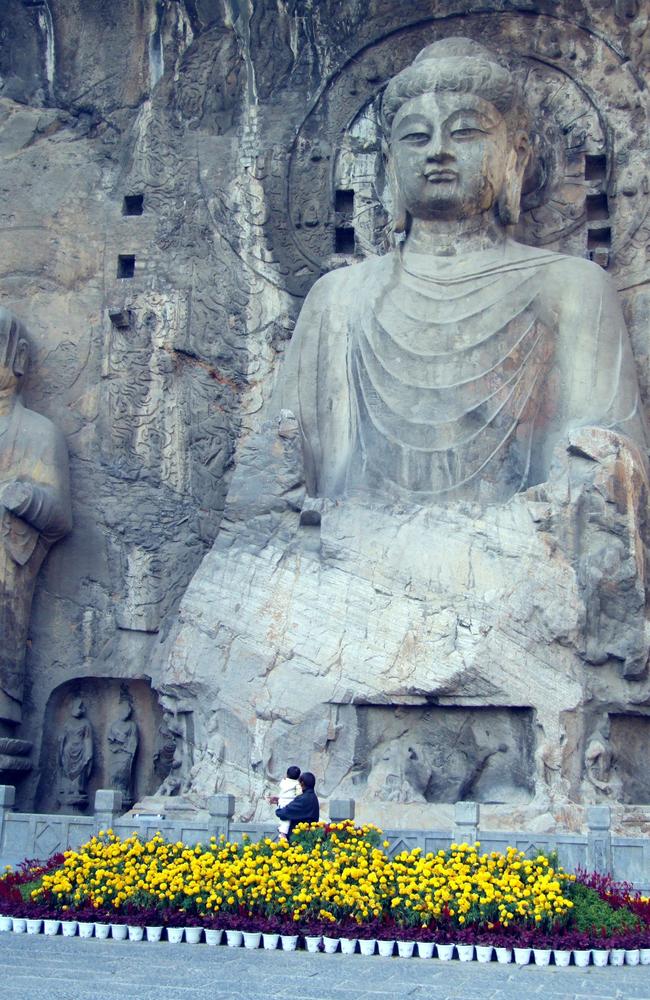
x=293, y=773
x=458, y=135
x=307, y=781
x=14, y=350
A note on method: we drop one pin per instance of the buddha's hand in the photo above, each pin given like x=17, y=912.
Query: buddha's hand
x=269, y=479
x=17, y=497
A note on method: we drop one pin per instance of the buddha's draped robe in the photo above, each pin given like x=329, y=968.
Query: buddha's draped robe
x=430, y=379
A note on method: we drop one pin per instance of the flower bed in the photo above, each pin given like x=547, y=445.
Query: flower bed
x=332, y=886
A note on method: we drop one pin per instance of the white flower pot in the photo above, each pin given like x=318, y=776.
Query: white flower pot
x=154, y=933
x=330, y=945
x=119, y=932
x=504, y=955
x=312, y=942
x=270, y=941
x=69, y=928
x=386, y=948
x=405, y=949
x=289, y=942
x=542, y=956
x=252, y=939
x=348, y=946
x=644, y=956
x=484, y=952
x=632, y=956
x=367, y=946
x=581, y=957
x=193, y=935
x=465, y=952
x=86, y=929
x=34, y=926
x=522, y=956
x=445, y=952
x=51, y=927
x=213, y=936
x=102, y=931
x=600, y=956
x=175, y=934
x=561, y=957
x=425, y=949
x=19, y=925
x=135, y=933
x=6, y=923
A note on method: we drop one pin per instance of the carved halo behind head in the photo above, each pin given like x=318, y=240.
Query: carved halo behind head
x=463, y=66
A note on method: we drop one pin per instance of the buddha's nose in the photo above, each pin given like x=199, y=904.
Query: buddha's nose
x=436, y=148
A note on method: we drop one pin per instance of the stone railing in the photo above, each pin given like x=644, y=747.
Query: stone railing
x=37, y=835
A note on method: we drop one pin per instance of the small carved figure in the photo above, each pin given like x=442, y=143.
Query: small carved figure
x=122, y=746
x=75, y=756
x=34, y=511
x=598, y=764
x=177, y=725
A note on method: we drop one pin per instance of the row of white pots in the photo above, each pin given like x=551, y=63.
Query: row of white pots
x=348, y=946
x=485, y=953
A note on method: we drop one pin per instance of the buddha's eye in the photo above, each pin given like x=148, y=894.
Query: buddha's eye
x=418, y=138
x=468, y=132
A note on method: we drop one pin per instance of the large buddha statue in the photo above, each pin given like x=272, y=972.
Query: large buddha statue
x=429, y=582
x=453, y=366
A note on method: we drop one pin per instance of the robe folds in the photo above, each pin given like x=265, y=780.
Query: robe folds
x=431, y=379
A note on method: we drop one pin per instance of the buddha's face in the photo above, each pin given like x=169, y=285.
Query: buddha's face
x=450, y=154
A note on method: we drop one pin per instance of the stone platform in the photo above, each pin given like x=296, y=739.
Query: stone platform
x=74, y=969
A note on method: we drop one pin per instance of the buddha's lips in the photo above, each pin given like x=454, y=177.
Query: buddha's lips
x=437, y=176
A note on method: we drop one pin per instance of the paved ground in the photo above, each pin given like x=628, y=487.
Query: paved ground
x=41, y=968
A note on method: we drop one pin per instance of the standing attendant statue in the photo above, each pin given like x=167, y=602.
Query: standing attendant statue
x=75, y=757
x=34, y=513
x=122, y=748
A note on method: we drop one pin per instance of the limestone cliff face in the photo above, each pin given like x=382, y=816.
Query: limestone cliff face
x=174, y=176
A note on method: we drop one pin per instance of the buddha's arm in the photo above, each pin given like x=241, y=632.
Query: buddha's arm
x=40, y=495
x=599, y=380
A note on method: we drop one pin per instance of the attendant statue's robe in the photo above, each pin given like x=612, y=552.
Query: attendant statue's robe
x=432, y=379
x=33, y=451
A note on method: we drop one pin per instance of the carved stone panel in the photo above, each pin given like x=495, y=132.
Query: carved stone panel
x=123, y=749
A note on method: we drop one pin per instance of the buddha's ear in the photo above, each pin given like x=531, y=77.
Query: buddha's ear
x=509, y=202
x=21, y=357
x=400, y=216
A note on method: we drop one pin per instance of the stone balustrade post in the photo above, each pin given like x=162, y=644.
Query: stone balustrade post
x=108, y=807
x=222, y=810
x=599, y=839
x=466, y=822
x=341, y=809
x=7, y=800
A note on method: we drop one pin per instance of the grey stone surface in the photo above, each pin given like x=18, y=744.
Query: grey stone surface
x=248, y=138
x=35, y=968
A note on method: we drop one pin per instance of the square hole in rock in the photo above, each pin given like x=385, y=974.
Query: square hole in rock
x=133, y=204
x=126, y=265
x=599, y=238
x=597, y=207
x=595, y=167
x=344, y=201
x=344, y=239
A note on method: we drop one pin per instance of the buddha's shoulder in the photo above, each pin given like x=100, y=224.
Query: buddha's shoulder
x=566, y=275
x=351, y=279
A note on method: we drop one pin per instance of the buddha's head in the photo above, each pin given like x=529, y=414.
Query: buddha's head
x=14, y=350
x=458, y=142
